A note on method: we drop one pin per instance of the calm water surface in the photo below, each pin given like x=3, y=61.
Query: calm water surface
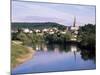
x=55, y=57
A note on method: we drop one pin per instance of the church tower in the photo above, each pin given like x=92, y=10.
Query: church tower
x=74, y=23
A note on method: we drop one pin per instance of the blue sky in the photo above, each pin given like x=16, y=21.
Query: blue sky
x=51, y=12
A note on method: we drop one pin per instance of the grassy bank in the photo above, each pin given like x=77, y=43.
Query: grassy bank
x=19, y=54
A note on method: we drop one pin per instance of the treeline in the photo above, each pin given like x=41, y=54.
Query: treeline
x=27, y=38
x=57, y=37
x=19, y=25
x=87, y=36
x=33, y=38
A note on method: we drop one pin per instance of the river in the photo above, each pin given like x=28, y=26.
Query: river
x=57, y=57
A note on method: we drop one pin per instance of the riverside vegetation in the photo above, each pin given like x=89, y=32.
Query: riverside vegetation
x=86, y=39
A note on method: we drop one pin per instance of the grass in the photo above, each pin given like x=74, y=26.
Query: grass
x=17, y=50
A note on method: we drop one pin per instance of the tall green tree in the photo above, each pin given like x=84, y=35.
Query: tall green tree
x=87, y=35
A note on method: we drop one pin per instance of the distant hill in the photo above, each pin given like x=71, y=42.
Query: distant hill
x=17, y=25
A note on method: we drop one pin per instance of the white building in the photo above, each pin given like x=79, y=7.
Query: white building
x=74, y=28
x=30, y=31
x=45, y=30
x=37, y=31
x=26, y=30
x=76, y=32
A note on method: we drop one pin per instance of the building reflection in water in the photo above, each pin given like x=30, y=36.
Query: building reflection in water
x=56, y=49
x=74, y=50
x=45, y=49
x=38, y=47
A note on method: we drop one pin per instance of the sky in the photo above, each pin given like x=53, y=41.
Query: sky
x=25, y=11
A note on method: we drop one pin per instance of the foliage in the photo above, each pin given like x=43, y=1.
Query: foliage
x=37, y=25
x=87, y=36
x=57, y=37
x=88, y=54
x=27, y=38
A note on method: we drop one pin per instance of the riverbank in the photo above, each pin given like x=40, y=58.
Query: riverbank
x=57, y=57
x=26, y=57
x=20, y=54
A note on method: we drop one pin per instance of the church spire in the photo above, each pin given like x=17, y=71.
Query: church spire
x=74, y=22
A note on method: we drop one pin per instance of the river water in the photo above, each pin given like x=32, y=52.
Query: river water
x=57, y=57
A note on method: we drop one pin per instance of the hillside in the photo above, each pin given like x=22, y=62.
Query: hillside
x=16, y=25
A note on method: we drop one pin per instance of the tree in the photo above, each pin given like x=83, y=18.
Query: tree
x=23, y=37
x=57, y=37
x=87, y=35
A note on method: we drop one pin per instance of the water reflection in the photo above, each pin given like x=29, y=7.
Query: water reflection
x=88, y=55
x=59, y=48
x=74, y=50
x=37, y=47
x=57, y=57
x=45, y=48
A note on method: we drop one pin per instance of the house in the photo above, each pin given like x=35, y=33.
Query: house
x=26, y=30
x=74, y=28
x=45, y=30
x=30, y=31
x=37, y=31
